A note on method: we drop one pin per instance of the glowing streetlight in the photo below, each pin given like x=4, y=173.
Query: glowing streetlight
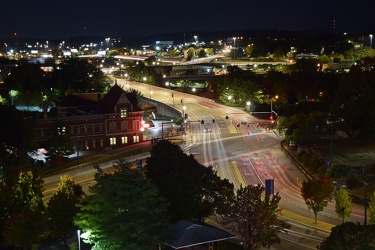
x=248, y=104
x=276, y=97
x=79, y=239
x=371, y=41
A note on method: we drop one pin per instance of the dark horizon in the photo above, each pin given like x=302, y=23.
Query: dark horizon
x=50, y=20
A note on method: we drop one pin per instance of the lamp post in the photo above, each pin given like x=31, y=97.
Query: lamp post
x=79, y=239
x=273, y=112
x=126, y=81
x=183, y=113
x=331, y=141
x=234, y=50
x=248, y=104
x=371, y=41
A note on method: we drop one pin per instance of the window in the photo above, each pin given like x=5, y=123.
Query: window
x=124, y=113
x=101, y=143
x=61, y=130
x=124, y=125
x=136, y=138
x=112, y=127
x=135, y=125
x=86, y=144
x=124, y=140
x=112, y=141
x=94, y=143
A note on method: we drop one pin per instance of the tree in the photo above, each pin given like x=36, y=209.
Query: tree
x=317, y=193
x=16, y=139
x=193, y=191
x=343, y=205
x=25, y=229
x=350, y=236
x=62, y=207
x=253, y=219
x=80, y=75
x=21, y=194
x=123, y=211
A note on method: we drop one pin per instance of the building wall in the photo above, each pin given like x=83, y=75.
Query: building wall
x=94, y=132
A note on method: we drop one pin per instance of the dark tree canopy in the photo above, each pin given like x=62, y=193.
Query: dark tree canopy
x=254, y=219
x=193, y=190
x=123, y=211
x=62, y=207
x=317, y=193
x=350, y=236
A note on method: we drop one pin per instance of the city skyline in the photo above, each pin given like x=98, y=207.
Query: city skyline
x=49, y=20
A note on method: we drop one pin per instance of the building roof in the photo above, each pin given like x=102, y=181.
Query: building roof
x=115, y=95
x=187, y=234
x=95, y=102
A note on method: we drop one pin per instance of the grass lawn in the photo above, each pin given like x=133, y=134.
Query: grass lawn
x=308, y=221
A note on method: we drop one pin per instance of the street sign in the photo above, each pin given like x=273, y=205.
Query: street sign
x=269, y=186
x=139, y=165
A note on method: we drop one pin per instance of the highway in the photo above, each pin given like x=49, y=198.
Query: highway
x=244, y=154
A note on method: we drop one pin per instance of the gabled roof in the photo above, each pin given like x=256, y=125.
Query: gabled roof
x=89, y=101
x=116, y=94
x=187, y=234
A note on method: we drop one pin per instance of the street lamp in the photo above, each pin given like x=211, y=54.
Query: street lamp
x=248, y=104
x=371, y=41
x=234, y=49
x=79, y=239
x=183, y=117
x=183, y=112
x=330, y=146
x=126, y=81
x=273, y=112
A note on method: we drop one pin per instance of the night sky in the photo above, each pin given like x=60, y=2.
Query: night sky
x=135, y=18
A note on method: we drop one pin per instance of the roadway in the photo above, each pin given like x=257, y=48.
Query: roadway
x=247, y=155
x=244, y=154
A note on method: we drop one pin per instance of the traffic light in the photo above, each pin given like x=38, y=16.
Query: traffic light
x=226, y=117
x=202, y=122
x=213, y=120
x=172, y=94
x=181, y=100
x=186, y=116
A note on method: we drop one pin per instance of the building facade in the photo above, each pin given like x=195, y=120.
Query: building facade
x=96, y=122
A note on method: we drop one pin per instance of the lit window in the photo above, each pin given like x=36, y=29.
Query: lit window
x=124, y=140
x=124, y=113
x=136, y=138
x=112, y=141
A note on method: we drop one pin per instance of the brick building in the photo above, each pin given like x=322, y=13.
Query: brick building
x=95, y=121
